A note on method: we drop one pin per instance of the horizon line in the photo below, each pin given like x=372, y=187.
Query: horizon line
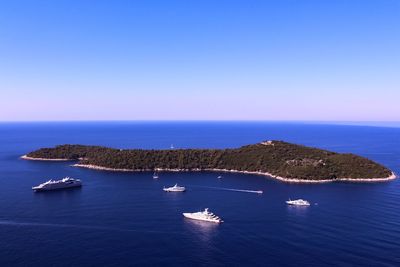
x=204, y=120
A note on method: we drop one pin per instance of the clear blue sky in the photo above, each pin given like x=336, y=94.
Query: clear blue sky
x=200, y=60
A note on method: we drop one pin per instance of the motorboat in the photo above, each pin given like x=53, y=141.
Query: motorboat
x=298, y=202
x=175, y=188
x=204, y=216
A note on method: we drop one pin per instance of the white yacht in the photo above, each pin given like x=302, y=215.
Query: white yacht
x=219, y=177
x=67, y=182
x=298, y=202
x=203, y=216
x=155, y=175
x=174, y=188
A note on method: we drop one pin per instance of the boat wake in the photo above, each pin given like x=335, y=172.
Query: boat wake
x=232, y=189
x=77, y=226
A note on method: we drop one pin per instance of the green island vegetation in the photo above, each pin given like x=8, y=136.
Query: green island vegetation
x=278, y=158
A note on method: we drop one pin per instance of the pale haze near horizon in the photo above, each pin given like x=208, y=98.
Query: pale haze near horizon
x=200, y=60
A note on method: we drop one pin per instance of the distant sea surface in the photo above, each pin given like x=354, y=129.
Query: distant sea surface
x=125, y=219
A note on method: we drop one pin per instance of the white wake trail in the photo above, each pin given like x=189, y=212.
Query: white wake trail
x=231, y=189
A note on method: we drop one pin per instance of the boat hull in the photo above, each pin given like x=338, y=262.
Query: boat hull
x=43, y=189
x=190, y=216
x=294, y=204
x=174, y=190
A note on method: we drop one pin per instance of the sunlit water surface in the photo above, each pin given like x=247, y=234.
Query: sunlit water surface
x=125, y=219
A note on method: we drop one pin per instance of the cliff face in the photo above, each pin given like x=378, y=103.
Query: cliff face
x=275, y=157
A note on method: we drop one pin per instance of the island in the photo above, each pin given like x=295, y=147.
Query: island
x=277, y=159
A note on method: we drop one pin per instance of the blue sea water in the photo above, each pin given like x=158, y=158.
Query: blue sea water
x=125, y=219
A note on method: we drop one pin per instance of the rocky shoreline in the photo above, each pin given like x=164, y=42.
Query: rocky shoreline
x=283, y=179
x=43, y=159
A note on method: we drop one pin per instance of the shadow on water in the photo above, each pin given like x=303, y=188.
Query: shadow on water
x=69, y=192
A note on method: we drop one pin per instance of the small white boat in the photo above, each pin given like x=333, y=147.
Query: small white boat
x=219, y=177
x=298, y=202
x=67, y=182
x=204, y=216
x=175, y=188
x=172, y=146
x=155, y=175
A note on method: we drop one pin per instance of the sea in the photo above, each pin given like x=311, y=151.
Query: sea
x=125, y=219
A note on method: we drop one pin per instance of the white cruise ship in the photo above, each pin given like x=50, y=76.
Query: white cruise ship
x=67, y=182
x=298, y=202
x=175, y=188
x=203, y=216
